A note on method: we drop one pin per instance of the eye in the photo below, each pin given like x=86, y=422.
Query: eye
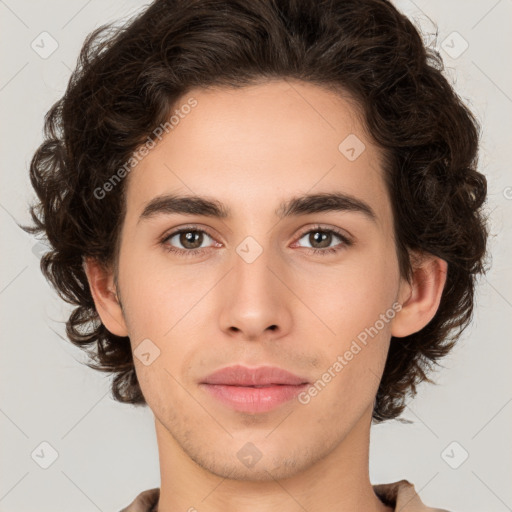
x=190, y=238
x=322, y=238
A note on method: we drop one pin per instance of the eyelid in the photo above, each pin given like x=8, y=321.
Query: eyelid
x=342, y=234
x=191, y=227
x=338, y=231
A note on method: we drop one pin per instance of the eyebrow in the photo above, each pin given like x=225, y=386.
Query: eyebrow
x=296, y=206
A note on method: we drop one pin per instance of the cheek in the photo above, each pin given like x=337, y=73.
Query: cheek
x=351, y=297
x=156, y=295
x=357, y=306
x=160, y=305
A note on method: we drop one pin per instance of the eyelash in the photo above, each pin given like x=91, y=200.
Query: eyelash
x=197, y=252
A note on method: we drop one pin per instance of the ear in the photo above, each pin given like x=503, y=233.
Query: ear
x=104, y=293
x=420, y=298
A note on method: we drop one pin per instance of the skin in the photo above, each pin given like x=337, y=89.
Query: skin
x=252, y=148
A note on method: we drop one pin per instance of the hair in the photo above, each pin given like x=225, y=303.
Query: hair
x=128, y=79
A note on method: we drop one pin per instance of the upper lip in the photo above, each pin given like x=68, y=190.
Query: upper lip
x=239, y=375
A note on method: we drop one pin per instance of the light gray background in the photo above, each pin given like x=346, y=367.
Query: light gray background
x=107, y=452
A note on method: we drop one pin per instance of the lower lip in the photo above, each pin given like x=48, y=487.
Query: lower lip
x=254, y=400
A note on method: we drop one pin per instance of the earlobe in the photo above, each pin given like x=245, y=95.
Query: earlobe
x=422, y=296
x=103, y=290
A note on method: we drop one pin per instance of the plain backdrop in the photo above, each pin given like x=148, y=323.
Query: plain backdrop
x=105, y=452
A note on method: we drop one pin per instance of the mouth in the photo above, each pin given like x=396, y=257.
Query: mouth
x=254, y=390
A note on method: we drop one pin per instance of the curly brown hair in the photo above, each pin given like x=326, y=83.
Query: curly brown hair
x=128, y=79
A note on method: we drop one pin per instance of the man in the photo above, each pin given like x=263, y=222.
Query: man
x=268, y=217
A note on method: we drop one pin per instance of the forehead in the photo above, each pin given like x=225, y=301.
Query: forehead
x=259, y=145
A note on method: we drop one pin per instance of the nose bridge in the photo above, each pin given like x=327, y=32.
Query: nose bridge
x=255, y=298
x=251, y=274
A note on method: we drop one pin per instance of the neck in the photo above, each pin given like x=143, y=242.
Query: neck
x=340, y=481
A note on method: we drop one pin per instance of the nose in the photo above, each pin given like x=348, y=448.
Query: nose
x=255, y=299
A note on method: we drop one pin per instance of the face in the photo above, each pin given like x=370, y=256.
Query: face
x=257, y=287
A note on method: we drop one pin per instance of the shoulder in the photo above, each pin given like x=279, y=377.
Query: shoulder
x=403, y=496
x=144, y=501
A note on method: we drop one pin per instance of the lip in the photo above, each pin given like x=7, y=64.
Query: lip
x=234, y=386
x=239, y=375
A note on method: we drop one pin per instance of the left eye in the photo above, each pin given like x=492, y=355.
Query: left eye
x=323, y=237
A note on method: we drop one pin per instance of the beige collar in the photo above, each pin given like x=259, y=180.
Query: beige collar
x=401, y=495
